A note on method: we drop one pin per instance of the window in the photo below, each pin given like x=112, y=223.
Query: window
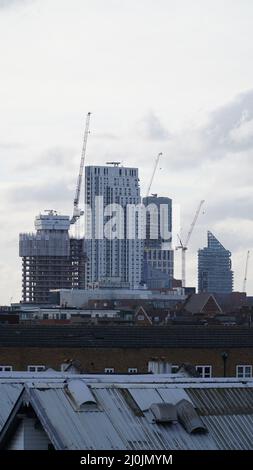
x=35, y=368
x=132, y=370
x=174, y=369
x=109, y=370
x=159, y=367
x=5, y=368
x=243, y=372
x=204, y=371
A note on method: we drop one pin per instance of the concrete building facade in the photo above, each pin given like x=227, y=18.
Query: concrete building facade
x=118, y=258
x=80, y=298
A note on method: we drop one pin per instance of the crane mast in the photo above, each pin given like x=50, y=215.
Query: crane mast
x=76, y=210
x=193, y=223
x=153, y=174
x=246, y=272
x=151, y=181
x=184, y=246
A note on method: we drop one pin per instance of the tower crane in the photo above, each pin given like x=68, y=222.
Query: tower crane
x=246, y=272
x=184, y=246
x=153, y=174
x=151, y=181
x=77, y=212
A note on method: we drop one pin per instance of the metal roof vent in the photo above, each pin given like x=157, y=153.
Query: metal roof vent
x=164, y=412
x=189, y=418
x=81, y=396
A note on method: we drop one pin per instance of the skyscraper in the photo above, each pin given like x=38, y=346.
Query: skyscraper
x=118, y=259
x=50, y=259
x=214, y=267
x=158, y=264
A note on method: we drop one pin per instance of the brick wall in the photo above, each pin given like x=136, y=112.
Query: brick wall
x=95, y=360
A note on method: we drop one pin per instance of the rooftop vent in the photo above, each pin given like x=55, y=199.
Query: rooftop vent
x=164, y=412
x=81, y=396
x=189, y=418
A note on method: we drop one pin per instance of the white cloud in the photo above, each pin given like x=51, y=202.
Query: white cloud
x=10, y=3
x=151, y=128
x=243, y=134
x=61, y=59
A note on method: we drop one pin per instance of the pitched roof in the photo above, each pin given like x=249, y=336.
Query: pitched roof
x=196, y=302
x=140, y=311
x=231, y=302
x=118, y=336
x=120, y=415
x=9, y=394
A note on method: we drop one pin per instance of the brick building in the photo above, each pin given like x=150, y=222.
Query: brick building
x=216, y=351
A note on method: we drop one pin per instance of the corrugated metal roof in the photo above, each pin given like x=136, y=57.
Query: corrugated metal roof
x=123, y=419
x=174, y=395
x=69, y=429
x=165, y=380
x=9, y=394
x=144, y=397
x=89, y=430
x=217, y=401
x=141, y=433
x=231, y=432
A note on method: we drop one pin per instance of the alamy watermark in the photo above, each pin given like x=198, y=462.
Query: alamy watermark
x=131, y=221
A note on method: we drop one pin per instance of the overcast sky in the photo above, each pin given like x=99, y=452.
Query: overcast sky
x=171, y=76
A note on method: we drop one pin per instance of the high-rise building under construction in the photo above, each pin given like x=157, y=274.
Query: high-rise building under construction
x=50, y=259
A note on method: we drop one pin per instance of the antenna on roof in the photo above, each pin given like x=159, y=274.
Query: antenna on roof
x=113, y=163
x=51, y=212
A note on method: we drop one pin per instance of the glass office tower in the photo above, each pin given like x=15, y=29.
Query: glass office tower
x=214, y=267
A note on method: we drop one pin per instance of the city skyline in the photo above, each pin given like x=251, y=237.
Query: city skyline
x=156, y=90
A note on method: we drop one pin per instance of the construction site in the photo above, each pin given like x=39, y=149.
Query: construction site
x=57, y=257
x=51, y=257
